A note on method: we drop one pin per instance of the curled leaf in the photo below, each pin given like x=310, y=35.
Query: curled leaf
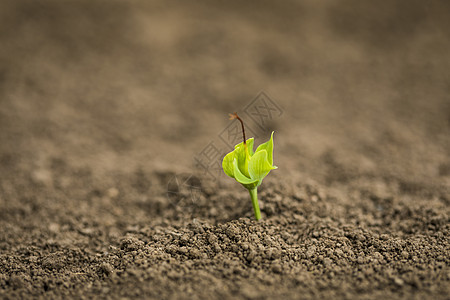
x=268, y=146
x=227, y=164
x=248, y=167
x=249, y=183
x=259, y=166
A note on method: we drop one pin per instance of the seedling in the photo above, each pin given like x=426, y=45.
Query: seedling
x=249, y=167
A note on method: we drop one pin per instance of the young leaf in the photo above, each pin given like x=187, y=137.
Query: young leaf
x=242, y=156
x=250, y=142
x=227, y=164
x=242, y=179
x=268, y=146
x=259, y=166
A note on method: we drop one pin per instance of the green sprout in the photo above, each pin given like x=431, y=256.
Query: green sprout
x=249, y=167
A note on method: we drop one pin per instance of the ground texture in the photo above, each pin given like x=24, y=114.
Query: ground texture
x=105, y=106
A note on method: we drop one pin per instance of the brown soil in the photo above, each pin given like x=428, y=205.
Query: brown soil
x=104, y=103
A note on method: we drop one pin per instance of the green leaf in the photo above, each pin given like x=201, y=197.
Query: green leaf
x=227, y=164
x=242, y=156
x=250, y=143
x=242, y=179
x=247, y=167
x=268, y=146
x=259, y=165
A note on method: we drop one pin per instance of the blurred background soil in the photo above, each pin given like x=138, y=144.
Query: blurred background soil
x=103, y=102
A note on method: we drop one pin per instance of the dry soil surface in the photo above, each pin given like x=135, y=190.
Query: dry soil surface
x=105, y=106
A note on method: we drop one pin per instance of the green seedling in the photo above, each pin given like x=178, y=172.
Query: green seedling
x=249, y=167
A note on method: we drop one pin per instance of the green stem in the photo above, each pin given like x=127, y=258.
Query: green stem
x=254, y=196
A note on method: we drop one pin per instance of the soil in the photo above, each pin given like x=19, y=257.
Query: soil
x=105, y=106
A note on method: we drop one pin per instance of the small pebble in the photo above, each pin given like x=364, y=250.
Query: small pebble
x=327, y=262
x=276, y=268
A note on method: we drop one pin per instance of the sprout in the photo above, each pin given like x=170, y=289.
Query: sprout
x=247, y=167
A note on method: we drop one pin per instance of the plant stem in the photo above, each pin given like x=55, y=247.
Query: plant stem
x=254, y=196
